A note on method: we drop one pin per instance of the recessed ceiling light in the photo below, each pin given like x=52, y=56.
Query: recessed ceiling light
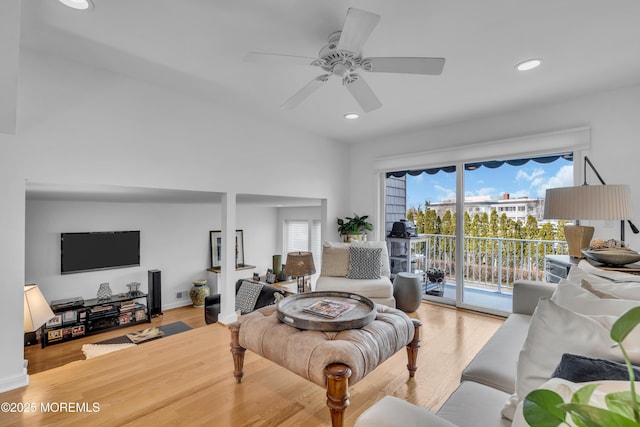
x=529, y=64
x=351, y=116
x=77, y=4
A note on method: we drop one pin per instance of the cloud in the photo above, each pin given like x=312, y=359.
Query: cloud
x=563, y=178
x=522, y=175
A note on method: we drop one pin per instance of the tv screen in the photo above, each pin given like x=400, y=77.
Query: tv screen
x=99, y=250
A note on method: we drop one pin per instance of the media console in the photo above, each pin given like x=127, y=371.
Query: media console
x=75, y=318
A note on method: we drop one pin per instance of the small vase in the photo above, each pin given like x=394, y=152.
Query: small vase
x=199, y=291
x=104, y=292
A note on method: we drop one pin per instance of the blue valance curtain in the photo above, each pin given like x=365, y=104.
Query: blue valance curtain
x=491, y=164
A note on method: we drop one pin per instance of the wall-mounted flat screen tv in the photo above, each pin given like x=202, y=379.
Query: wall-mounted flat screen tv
x=99, y=250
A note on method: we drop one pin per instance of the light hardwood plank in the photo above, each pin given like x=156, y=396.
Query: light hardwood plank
x=187, y=379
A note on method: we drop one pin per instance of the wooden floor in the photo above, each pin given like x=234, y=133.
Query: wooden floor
x=187, y=379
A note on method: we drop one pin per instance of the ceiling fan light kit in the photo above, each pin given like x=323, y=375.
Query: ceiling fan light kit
x=342, y=57
x=77, y=4
x=529, y=64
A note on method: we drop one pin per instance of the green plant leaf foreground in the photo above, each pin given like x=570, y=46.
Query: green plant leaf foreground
x=542, y=409
x=591, y=416
x=620, y=402
x=625, y=324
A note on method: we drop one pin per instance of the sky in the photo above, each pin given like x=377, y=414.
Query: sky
x=531, y=180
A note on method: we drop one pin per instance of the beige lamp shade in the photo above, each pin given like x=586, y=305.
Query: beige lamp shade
x=597, y=202
x=591, y=202
x=36, y=309
x=299, y=264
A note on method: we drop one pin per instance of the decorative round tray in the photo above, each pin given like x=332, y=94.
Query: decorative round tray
x=612, y=257
x=314, y=311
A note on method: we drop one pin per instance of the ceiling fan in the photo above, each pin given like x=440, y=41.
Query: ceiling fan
x=342, y=56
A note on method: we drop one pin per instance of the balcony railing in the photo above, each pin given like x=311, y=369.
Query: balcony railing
x=492, y=263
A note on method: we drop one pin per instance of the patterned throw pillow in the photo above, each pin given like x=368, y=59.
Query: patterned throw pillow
x=364, y=263
x=247, y=296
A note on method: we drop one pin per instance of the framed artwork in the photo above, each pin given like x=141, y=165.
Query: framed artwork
x=215, y=240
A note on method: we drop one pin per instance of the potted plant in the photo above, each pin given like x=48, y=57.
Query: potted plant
x=547, y=408
x=435, y=276
x=354, y=228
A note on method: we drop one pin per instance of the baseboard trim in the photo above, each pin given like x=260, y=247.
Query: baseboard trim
x=13, y=383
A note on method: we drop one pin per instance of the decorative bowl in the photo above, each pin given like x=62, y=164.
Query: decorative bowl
x=612, y=257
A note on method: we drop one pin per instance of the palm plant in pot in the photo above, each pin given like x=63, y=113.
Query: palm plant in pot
x=354, y=228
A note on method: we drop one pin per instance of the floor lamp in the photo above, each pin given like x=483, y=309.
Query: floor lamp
x=299, y=264
x=600, y=202
x=587, y=202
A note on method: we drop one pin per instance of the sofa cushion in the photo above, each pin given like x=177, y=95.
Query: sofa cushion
x=473, y=405
x=392, y=412
x=374, y=288
x=496, y=363
x=247, y=296
x=627, y=285
x=335, y=260
x=556, y=330
x=364, y=263
x=580, y=300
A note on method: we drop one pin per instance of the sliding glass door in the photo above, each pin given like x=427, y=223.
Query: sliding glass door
x=472, y=259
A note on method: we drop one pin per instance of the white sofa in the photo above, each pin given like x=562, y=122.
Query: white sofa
x=335, y=268
x=488, y=383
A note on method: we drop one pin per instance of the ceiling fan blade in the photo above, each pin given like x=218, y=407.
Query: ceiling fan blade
x=357, y=28
x=405, y=65
x=362, y=93
x=304, y=93
x=278, y=59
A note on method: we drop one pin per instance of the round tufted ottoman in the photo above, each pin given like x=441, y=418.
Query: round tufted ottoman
x=333, y=360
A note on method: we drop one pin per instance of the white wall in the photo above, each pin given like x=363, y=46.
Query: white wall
x=615, y=149
x=174, y=238
x=78, y=125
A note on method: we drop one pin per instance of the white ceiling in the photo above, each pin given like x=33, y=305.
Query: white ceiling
x=199, y=45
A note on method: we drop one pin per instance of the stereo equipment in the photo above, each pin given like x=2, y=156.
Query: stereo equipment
x=67, y=303
x=155, y=293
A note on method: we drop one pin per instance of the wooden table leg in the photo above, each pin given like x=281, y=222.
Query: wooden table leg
x=337, y=391
x=237, y=351
x=412, y=348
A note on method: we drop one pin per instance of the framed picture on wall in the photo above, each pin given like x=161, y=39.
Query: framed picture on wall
x=215, y=241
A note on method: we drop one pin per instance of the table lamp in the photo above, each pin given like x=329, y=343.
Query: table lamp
x=299, y=264
x=587, y=202
x=36, y=309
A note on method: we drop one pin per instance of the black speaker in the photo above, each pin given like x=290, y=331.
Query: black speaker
x=155, y=293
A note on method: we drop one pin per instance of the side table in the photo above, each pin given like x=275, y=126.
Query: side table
x=407, y=291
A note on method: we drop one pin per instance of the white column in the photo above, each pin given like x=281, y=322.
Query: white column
x=12, y=231
x=226, y=285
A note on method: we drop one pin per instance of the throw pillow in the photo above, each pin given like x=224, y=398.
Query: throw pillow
x=385, y=269
x=600, y=294
x=555, y=330
x=364, y=263
x=579, y=369
x=335, y=261
x=579, y=300
x=247, y=296
x=621, y=285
